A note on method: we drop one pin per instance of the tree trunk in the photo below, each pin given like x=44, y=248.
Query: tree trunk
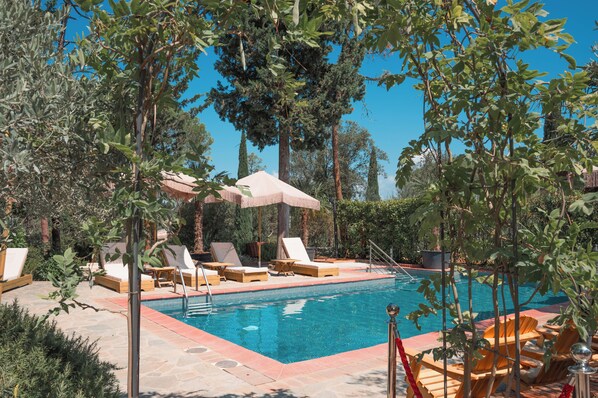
x=284, y=155
x=133, y=240
x=56, y=239
x=304, y=226
x=336, y=167
x=198, y=227
x=45, y=234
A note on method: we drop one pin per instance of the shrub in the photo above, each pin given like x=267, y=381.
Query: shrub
x=386, y=223
x=38, y=264
x=268, y=252
x=38, y=360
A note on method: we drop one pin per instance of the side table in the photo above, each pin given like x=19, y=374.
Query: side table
x=283, y=266
x=220, y=267
x=161, y=275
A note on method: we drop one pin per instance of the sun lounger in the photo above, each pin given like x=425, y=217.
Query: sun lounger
x=117, y=273
x=224, y=252
x=429, y=373
x=560, y=360
x=13, y=270
x=294, y=248
x=179, y=256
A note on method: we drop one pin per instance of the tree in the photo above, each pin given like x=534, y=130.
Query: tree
x=312, y=171
x=421, y=178
x=141, y=50
x=372, y=192
x=294, y=108
x=243, y=232
x=465, y=57
x=177, y=132
x=343, y=84
x=48, y=149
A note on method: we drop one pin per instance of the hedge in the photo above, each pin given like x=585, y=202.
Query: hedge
x=386, y=223
x=39, y=361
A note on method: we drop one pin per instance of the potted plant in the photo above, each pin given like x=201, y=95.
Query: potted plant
x=432, y=259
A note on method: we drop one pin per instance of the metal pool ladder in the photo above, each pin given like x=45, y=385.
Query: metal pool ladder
x=390, y=265
x=196, y=308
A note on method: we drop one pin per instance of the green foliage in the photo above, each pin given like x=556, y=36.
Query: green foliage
x=38, y=264
x=421, y=178
x=467, y=60
x=262, y=101
x=149, y=86
x=372, y=191
x=243, y=232
x=386, y=223
x=268, y=252
x=65, y=277
x=39, y=361
x=311, y=171
x=555, y=254
x=48, y=150
x=219, y=222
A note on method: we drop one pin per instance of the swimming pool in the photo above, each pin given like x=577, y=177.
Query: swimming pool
x=302, y=323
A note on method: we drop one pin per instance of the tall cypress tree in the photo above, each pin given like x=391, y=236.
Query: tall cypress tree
x=284, y=107
x=243, y=226
x=372, y=192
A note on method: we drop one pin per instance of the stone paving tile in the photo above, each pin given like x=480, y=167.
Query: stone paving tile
x=249, y=375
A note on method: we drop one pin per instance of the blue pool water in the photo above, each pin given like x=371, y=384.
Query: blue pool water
x=297, y=324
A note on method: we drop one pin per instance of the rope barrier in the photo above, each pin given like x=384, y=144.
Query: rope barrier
x=567, y=390
x=407, y=368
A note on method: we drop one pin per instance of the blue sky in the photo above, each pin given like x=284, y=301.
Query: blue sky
x=392, y=117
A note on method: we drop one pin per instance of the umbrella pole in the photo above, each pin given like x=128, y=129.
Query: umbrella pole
x=259, y=237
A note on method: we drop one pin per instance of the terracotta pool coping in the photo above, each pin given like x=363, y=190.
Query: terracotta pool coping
x=277, y=370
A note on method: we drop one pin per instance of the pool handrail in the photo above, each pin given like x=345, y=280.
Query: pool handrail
x=209, y=298
x=388, y=259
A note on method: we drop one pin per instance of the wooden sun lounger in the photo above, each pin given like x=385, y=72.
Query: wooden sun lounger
x=15, y=283
x=116, y=276
x=239, y=275
x=178, y=256
x=563, y=338
x=13, y=269
x=189, y=279
x=429, y=373
x=294, y=248
x=226, y=256
x=317, y=272
x=120, y=285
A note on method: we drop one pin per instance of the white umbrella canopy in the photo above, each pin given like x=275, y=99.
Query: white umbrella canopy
x=264, y=189
x=179, y=185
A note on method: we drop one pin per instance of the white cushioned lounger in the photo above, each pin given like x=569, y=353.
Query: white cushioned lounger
x=224, y=252
x=294, y=249
x=179, y=256
x=13, y=270
x=117, y=273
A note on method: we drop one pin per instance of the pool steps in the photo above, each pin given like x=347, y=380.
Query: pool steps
x=386, y=264
x=194, y=309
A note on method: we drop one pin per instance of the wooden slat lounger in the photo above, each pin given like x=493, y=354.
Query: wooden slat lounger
x=12, y=277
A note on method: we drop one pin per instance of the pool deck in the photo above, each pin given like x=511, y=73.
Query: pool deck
x=178, y=360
